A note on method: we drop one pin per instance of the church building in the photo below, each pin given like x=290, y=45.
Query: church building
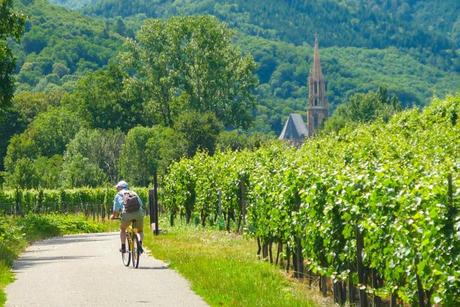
x=294, y=129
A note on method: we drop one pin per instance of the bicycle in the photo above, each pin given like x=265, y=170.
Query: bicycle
x=132, y=247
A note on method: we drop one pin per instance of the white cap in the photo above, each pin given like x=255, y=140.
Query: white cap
x=122, y=184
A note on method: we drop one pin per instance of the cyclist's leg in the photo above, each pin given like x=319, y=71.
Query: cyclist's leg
x=122, y=234
x=139, y=225
x=123, y=225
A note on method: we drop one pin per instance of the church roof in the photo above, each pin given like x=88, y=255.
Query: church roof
x=294, y=129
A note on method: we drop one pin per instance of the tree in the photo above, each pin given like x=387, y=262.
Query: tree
x=100, y=147
x=166, y=146
x=81, y=172
x=10, y=124
x=189, y=64
x=49, y=170
x=149, y=150
x=231, y=140
x=47, y=135
x=238, y=140
x=361, y=108
x=23, y=174
x=30, y=104
x=133, y=160
x=200, y=131
x=11, y=26
x=103, y=101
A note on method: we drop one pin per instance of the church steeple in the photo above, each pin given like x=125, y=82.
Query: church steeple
x=317, y=108
x=316, y=72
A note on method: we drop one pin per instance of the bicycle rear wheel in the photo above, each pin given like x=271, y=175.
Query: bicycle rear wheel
x=135, y=251
x=126, y=257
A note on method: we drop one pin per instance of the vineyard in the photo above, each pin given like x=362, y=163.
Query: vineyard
x=375, y=209
x=91, y=202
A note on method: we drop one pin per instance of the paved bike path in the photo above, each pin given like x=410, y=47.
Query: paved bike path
x=86, y=270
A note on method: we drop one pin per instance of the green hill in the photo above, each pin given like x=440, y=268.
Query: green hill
x=284, y=68
x=59, y=46
x=360, y=49
x=428, y=26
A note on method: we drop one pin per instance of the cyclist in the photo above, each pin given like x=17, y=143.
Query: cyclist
x=120, y=206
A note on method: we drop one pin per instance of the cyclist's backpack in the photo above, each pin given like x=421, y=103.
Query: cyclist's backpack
x=131, y=202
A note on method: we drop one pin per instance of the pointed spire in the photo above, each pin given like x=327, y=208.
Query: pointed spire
x=316, y=72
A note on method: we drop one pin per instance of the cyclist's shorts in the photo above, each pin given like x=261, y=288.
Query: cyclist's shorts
x=126, y=219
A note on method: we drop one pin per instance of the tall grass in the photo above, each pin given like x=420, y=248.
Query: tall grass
x=223, y=268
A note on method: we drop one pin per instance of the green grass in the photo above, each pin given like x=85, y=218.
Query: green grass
x=223, y=268
x=17, y=233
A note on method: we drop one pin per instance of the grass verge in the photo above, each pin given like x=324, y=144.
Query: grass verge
x=16, y=233
x=224, y=270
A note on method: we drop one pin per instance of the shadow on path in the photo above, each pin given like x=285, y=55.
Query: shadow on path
x=163, y=267
x=75, y=239
x=26, y=262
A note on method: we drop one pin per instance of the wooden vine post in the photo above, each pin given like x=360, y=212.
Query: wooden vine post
x=360, y=267
x=18, y=196
x=242, y=203
x=298, y=255
x=153, y=205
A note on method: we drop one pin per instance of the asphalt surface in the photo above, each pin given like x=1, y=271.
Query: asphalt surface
x=86, y=270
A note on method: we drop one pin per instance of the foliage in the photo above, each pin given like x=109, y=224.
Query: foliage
x=360, y=23
x=22, y=174
x=47, y=135
x=104, y=102
x=189, y=64
x=237, y=140
x=283, y=72
x=148, y=150
x=90, y=201
x=78, y=171
x=166, y=145
x=363, y=108
x=387, y=182
x=200, y=131
x=384, y=49
x=11, y=26
x=44, y=172
x=96, y=151
x=30, y=104
x=49, y=171
x=59, y=46
x=10, y=124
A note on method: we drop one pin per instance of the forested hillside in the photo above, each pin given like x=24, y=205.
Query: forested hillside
x=59, y=46
x=430, y=27
x=359, y=52
x=283, y=70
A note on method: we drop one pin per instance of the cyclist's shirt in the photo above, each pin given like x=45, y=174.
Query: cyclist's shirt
x=118, y=205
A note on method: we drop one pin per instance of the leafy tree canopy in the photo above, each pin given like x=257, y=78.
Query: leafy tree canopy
x=189, y=63
x=47, y=135
x=200, y=130
x=149, y=150
x=99, y=148
x=11, y=26
x=102, y=100
x=362, y=108
x=30, y=104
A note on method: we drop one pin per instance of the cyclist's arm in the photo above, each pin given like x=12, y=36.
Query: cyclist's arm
x=117, y=206
x=140, y=202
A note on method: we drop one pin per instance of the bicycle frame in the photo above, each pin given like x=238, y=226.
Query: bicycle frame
x=132, y=251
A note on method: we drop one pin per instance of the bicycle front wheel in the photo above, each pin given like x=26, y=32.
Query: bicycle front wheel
x=135, y=253
x=126, y=257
